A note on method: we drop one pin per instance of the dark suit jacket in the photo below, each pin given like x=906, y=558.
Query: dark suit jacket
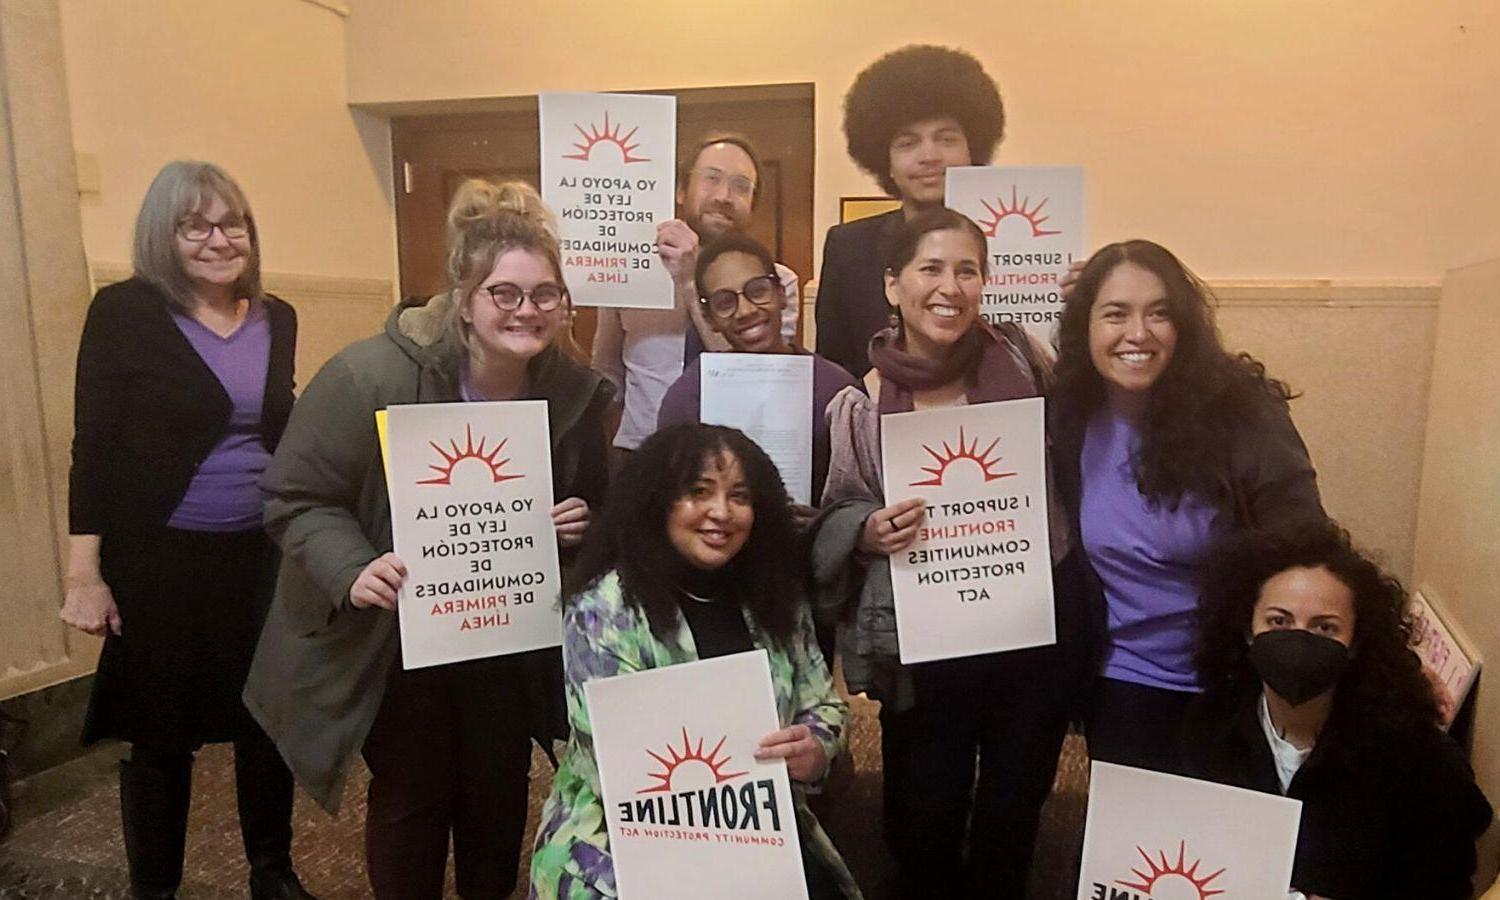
x=851, y=304
x=1384, y=816
x=147, y=409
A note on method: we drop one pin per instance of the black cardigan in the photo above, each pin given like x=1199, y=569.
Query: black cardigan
x=147, y=409
x=851, y=303
x=1384, y=816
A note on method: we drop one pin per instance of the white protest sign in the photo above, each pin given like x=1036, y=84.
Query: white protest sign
x=471, y=515
x=1150, y=836
x=769, y=397
x=979, y=577
x=1033, y=219
x=609, y=172
x=1449, y=661
x=690, y=811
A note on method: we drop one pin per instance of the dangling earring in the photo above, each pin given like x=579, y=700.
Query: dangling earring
x=894, y=319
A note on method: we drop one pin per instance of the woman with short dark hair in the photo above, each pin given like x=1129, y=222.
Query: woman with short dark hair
x=1311, y=690
x=184, y=387
x=908, y=116
x=1165, y=442
x=968, y=746
x=693, y=557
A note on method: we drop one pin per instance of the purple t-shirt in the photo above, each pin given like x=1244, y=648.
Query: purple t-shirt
x=1149, y=558
x=224, y=494
x=683, y=403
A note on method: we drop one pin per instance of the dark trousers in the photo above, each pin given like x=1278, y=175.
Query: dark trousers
x=449, y=752
x=1005, y=712
x=155, y=792
x=1136, y=725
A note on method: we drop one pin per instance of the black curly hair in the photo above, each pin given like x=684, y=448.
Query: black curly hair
x=1384, y=686
x=730, y=242
x=630, y=536
x=1195, y=407
x=912, y=84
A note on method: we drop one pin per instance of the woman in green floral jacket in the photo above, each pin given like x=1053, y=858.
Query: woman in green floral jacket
x=695, y=556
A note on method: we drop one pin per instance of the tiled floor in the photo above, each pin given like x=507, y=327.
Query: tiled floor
x=74, y=851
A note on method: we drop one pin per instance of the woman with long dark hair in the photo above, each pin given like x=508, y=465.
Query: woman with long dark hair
x=1165, y=442
x=968, y=746
x=694, y=556
x=183, y=392
x=1311, y=690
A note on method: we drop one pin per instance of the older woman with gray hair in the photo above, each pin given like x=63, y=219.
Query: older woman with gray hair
x=184, y=388
x=448, y=746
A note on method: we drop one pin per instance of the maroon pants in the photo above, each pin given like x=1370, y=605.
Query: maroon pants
x=449, y=752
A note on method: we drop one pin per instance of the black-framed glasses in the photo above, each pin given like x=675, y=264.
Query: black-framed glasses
x=762, y=290
x=508, y=297
x=199, y=229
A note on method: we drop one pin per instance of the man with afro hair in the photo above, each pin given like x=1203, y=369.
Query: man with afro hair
x=908, y=117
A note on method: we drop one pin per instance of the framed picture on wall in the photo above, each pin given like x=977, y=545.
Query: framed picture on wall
x=854, y=208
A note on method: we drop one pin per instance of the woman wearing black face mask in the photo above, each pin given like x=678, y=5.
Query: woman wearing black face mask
x=1311, y=692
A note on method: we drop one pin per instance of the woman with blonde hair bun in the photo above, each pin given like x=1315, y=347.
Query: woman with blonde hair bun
x=448, y=747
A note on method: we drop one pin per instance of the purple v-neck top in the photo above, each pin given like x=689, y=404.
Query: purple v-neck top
x=1149, y=558
x=224, y=494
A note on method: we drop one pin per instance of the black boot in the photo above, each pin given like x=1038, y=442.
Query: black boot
x=263, y=792
x=154, y=799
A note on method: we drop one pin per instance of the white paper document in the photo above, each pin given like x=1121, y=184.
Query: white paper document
x=979, y=577
x=690, y=812
x=471, y=515
x=609, y=171
x=768, y=396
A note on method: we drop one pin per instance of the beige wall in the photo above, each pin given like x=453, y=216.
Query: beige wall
x=1362, y=359
x=43, y=292
x=1273, y=138
x=256, y=87
x=1458, y=543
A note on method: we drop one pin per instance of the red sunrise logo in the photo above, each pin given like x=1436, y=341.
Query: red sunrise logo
x=1162, y=871
x=596, y=135
x=675, y=759
x=452, y=458
x=1017, y=207
x=968, y=451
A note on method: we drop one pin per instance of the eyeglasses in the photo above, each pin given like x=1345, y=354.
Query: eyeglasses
x=197, y=229
x=762, y=290
x=508, y=297
x=739, y=185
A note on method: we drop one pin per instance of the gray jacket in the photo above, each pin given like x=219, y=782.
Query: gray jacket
x=321, y=666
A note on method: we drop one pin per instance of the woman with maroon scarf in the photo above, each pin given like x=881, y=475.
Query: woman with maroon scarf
x=1007, y=710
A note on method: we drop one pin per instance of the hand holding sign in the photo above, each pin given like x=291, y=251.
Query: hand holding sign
x=677, y=245
x=570, y=519
x=378, y=583
x=893, y=528
x=805, y=759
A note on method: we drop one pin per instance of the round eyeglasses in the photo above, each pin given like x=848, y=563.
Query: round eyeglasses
x=508, y=297
x=762, y=290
